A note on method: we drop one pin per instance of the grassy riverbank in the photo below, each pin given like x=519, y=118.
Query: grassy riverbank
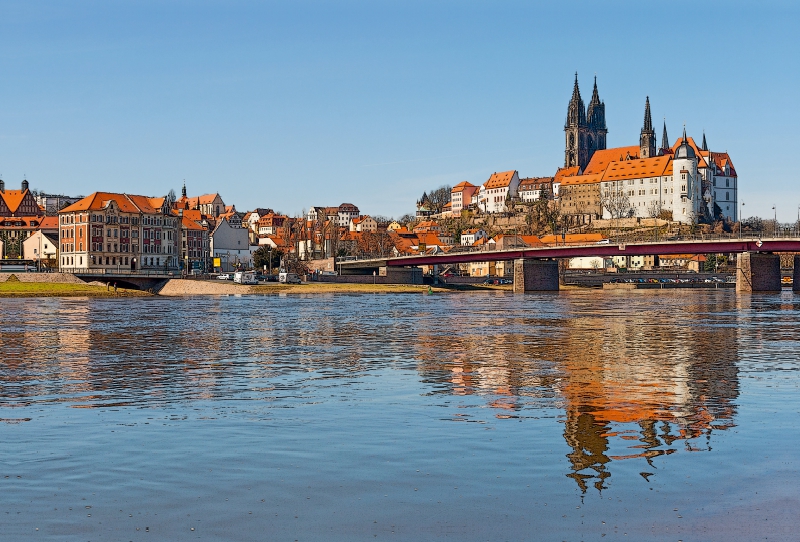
x=15, y=288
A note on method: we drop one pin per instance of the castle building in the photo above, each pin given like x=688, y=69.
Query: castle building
x=689, y=182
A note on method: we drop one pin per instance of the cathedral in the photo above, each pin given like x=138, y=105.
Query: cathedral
x=585, y=129
x=686, y=181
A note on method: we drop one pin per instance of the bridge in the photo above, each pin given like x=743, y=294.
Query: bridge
x=536, y=268
x=150, y=280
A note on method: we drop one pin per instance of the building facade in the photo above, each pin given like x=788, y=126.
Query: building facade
x=114, y=231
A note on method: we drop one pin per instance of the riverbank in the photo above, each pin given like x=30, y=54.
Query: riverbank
x=182, y=287
x=12, y=286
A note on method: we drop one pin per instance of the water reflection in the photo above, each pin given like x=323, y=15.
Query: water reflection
x=632, y=378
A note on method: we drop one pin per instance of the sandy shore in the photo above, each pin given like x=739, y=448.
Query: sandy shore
x=182, y=287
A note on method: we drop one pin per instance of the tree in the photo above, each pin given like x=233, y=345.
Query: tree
x=438, y=198
x=261, y=257
x=616, y=201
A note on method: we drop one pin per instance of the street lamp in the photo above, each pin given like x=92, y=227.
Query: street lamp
x=741, y=217
x=774, y=222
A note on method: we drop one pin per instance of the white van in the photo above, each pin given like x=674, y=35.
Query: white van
x=241, y=277
x=289, y=278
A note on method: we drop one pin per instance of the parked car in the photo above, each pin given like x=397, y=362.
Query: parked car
x=224, y=276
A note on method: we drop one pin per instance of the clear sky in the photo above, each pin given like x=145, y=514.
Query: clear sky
x=299, y=103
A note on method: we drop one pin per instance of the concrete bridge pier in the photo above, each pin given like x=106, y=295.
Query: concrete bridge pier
x=757, y=272
x=531, y=275
x=796, y=275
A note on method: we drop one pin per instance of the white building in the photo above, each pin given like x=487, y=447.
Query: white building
x=644, y=187
x=231, y=245
x=469, y=237
x=531, y=189
x=492, y=196
x=40, y=246
x=347, y=212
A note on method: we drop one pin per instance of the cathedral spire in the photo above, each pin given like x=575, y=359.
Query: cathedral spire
x=705, y=147
x=648, y=121
x=647, y=139
x=664, y=137
x=183, y=190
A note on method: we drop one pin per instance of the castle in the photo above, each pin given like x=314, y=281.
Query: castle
x=683, y=180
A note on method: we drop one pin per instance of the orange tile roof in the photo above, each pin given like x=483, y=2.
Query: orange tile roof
x=429, y=239
x=582, y=179
x=638, y=169
x=463, y=185
x=206, y=198
x=49, y=223
x=564, y=172
x=573, y=239
x=13, y=198
x=720, y=159
x=98, y=200
x=601, y=158
x=500, y=180
x=190, y=224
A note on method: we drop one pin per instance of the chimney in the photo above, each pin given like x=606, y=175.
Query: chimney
x=2, y=185
x=24, y=185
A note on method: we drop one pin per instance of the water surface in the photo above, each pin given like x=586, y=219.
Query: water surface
x=644, y=415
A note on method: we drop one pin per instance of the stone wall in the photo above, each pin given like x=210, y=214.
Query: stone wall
x=796, y=275
x=393, y=275
x=758, y=272
x=535, y=275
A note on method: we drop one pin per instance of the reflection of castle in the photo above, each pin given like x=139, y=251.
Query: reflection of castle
x=639, y=380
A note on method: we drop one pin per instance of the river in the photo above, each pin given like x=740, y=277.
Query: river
x=582, y=415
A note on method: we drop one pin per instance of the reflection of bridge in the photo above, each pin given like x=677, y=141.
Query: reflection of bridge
x=535, y=268
x=139, y=280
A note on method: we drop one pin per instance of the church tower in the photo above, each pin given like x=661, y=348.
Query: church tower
x=596, y=118
x=665, y=148
x=576, y=131
x=647, y=139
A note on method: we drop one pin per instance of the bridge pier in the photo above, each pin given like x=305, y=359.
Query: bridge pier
x=532, y=275
x=796, y=275
x=757, y=272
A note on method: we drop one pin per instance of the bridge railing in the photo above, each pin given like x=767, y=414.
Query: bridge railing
x=120, y=272
x=782, y=232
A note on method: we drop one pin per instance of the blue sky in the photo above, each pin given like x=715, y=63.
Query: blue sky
x=293, y=104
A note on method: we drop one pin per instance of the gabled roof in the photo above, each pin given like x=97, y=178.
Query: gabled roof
x=534, y=183
x=720, y=159
x=601, y=158
x=500, y=180
x=13, y=198
x=98, y=201
x=463, y=185
x=190, y=224
x=207, y=198
x=564, y=172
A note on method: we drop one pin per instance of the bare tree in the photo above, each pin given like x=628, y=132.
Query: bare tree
x=616, y=201
x=438, y=198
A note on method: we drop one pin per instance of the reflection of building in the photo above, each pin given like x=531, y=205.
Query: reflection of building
x=631, y=383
